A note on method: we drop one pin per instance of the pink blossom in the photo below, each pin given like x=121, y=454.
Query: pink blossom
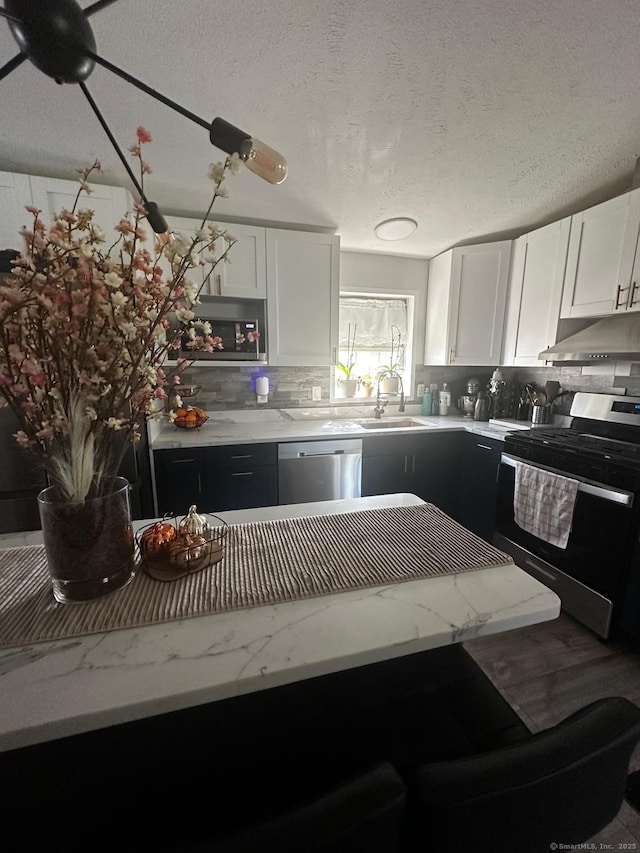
x=33, y=209
x=143, y=135
x=22, y=438
x=124, y=226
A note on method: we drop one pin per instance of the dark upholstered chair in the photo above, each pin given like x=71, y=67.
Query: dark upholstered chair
x=560, y=785
x=361, y=814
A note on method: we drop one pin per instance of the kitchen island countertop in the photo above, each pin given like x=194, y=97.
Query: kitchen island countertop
x=54, y=689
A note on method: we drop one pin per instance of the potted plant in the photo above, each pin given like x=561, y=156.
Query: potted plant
x=368, y=384
x=348, y=383
x=84, y=332
x=388, y=375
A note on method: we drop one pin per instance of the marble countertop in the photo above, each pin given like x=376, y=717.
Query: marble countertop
x=54, y=689
x=272, y=425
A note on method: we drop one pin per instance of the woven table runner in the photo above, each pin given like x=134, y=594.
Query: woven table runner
x=265, y=562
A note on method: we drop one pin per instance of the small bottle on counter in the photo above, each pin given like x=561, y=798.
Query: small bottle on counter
x=445, y=399
x=435, y=400
x=426, y=403
x=419, y=390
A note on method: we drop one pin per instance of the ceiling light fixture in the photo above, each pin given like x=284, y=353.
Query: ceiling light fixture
x=55, y=35
x=398, y=228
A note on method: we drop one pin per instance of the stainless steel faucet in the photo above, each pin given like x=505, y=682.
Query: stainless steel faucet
x=379, y=408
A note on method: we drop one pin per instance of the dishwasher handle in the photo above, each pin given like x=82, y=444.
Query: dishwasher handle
x=321, y=447
x=324, y=453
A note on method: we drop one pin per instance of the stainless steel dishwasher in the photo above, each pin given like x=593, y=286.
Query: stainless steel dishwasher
x=319, y=470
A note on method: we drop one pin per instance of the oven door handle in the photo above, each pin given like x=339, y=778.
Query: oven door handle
x=607, y=493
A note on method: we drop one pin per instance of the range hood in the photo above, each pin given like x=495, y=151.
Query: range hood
x=612, y=338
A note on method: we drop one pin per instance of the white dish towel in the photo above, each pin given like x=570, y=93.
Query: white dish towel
x=543, y=503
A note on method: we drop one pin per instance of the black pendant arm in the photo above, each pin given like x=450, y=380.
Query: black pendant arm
x=98, y=6
x=5, y=14
x=149, y=91
x=11, y=64
x=154, y=217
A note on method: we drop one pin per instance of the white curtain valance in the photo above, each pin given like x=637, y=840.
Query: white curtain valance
x=372, y=319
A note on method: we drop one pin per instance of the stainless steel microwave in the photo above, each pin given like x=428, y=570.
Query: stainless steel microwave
x=235, y=340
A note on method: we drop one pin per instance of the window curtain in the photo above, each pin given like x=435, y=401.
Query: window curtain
x=372, y=319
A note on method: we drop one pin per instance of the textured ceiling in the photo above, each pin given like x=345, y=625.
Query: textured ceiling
x=476, y=118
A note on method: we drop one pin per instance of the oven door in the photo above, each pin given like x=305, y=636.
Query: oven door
x=589, y=574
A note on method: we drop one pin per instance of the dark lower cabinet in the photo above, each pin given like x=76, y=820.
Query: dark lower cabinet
x=456, y=471
x=422, y=464
x=242, y=476
x=181, y=480
x=216, y=478
x=479, y=484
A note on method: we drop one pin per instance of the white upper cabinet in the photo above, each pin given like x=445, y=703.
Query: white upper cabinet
x=110, y=204
x=245, y=275
x=15, y=194
x=466, y=300
x=303, y=271
x=538, y=264
x=600, y=263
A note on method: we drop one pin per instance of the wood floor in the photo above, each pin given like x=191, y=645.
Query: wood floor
x=548, y=671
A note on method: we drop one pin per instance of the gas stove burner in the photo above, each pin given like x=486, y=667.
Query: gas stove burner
x=573, y=441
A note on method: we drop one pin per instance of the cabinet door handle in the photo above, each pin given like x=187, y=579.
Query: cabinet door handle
x=413, y=463
x=484, y=446
x=632, y=300
x=451, y=355
x=618, y=292
x=181, y=461
x=219, y=284
x=406, y=463
x=199, y=483
x=242, y=474
x=243, y=456
x=334, y=356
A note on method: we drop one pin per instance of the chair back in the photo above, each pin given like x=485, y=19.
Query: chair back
x=363, y=814
x=561, y=785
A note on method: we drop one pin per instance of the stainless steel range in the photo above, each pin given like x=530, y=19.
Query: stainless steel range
x=597, y=573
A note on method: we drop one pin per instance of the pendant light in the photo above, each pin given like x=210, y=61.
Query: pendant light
x=55, y=35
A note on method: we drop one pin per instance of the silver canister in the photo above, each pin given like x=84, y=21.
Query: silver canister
x=540, y=415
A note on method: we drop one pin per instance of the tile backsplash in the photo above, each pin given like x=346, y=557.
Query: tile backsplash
x=291, y=387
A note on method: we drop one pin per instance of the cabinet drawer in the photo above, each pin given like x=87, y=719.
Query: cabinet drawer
x=242, y=455
x=243, y=489
x=489, y=448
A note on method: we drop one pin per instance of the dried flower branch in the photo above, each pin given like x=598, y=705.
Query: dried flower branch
x=85, y=330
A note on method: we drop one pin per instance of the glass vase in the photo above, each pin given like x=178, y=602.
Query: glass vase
x=89, y=544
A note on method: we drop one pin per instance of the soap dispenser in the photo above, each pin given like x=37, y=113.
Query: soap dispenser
x=445, y=399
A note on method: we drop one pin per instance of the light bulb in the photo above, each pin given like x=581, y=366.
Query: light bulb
x=257, y=157
x=264, y=162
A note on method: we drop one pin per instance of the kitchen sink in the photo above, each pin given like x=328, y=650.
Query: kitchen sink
x=403, y=423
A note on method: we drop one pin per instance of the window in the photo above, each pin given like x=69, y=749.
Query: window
x=375, y=341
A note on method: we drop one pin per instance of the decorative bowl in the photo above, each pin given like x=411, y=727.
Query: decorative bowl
x=168, y=553
x=190, y=417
